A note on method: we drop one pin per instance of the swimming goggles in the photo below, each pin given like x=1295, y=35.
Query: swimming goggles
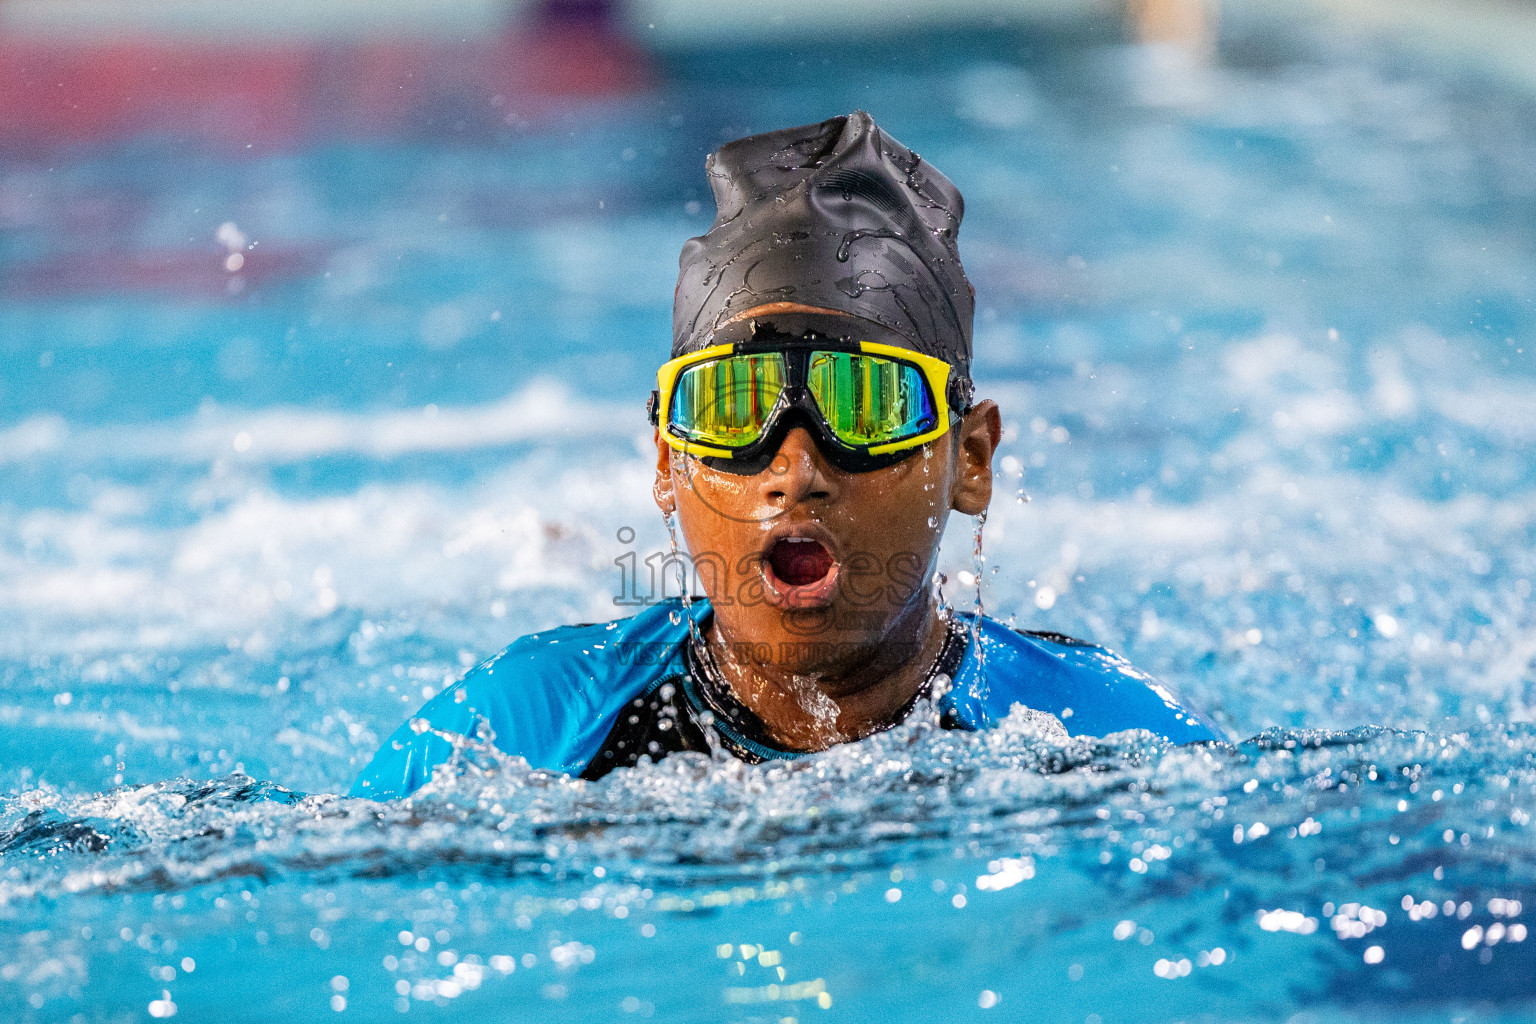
x=868, y=405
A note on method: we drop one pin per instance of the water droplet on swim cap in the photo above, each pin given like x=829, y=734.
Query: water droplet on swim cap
x=836, y=215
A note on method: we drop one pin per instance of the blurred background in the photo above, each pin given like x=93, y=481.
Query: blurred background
x=325, y=336
x=326, y=332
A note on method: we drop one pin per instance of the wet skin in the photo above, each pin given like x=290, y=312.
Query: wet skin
x=837, y=658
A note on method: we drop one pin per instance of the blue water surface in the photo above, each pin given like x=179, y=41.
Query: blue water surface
x=1261, y=331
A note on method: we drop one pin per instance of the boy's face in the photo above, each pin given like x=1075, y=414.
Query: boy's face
x=808, y=567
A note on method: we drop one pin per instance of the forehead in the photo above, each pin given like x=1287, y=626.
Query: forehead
x=780, y=329
x=770, y=308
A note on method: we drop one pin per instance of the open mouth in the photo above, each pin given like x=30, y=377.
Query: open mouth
x=801, y=572
x=800, y=561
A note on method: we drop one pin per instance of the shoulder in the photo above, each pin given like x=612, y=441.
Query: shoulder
x=551, y=696
x=1093, y=690
x=548, y=697
x=591, y=650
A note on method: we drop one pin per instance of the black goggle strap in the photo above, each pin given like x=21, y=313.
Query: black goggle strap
x=962, y=393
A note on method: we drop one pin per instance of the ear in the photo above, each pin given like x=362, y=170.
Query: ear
x=979, y=433
x=661, y=488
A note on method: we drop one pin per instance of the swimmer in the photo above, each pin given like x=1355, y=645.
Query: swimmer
x=815, y=427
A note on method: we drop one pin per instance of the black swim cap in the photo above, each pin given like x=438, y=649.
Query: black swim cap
x=836, y=215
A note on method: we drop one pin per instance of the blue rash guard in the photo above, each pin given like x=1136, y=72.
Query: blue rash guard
x=585, y=699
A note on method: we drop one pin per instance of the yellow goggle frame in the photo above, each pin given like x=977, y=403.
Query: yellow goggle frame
x=936, y=373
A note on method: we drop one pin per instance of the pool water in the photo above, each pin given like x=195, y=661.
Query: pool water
x=1260, y=329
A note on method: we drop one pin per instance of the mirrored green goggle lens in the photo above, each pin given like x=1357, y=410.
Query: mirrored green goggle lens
x=727, y=401
x=867, y=400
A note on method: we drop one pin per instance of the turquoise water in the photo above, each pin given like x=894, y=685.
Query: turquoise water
x=1261, y=334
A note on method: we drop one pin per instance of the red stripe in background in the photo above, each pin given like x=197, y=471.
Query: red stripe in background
x=282, y=94
x=195, y=272
x=263, y=97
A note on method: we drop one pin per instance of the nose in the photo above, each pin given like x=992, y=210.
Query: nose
x=797, y=473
